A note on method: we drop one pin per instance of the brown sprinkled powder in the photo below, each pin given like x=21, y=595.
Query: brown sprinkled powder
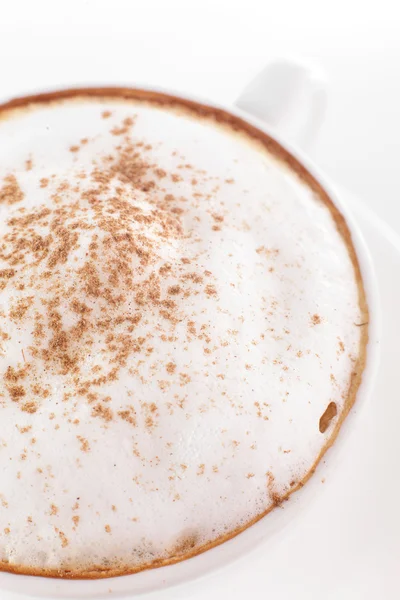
x=210, y=290
x=123, y=276
x=25, y=429
x=29, y=407
x=17, y=313
x=184, y=379
x=174, y=290
x=316, y=319
x=85, y=447
x=63, y=538
x=16, y=392
x=128, y=415
x=7, y=273
x=268, y=252
x=217, y=218
x=171, y=367
x=10, y=192
x=103, y=412
x=13, y=375
x=124, y=128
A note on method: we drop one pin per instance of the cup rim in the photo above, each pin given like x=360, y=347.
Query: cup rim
x=223, y=554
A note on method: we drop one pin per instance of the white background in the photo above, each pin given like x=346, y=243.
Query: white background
x=214, y=47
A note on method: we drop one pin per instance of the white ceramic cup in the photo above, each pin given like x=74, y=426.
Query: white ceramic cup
x=287, y=100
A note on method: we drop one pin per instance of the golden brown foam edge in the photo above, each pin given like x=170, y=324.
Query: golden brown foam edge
x=239, y=125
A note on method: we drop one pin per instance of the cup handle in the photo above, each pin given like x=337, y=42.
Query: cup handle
x=290, y=95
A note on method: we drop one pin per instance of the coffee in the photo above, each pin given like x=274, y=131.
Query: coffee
x=182, y=330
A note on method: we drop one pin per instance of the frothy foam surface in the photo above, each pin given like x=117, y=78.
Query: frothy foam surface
x=177, y=312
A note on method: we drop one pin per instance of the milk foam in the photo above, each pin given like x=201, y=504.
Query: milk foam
x=216, y=415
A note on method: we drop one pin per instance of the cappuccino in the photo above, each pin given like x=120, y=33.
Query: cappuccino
x=183, y=329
